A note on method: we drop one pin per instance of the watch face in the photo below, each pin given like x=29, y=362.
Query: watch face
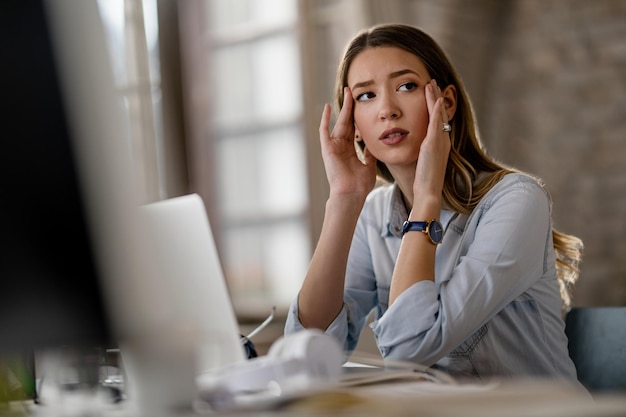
x=435, y=231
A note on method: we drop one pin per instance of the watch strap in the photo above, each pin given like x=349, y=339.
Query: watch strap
x=432, y=229
x=410, y=226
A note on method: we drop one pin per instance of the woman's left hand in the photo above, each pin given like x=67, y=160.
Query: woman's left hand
x=435, y=149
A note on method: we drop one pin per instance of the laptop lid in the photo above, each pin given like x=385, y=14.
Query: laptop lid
x=193, y=288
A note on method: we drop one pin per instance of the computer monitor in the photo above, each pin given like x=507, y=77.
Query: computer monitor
x=77, y=267
x=51, y=291
x=50, y=288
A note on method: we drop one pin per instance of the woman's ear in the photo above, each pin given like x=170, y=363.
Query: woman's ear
x=449, y=100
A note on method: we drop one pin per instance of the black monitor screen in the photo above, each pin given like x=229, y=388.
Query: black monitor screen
x=49, y=285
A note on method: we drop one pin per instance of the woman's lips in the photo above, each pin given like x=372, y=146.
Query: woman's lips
x=393, y=136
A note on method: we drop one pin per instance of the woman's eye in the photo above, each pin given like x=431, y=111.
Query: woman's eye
x=365, y=96
x=408, y=86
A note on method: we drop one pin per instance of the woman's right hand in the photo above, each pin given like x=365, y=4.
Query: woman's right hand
x=346, y=173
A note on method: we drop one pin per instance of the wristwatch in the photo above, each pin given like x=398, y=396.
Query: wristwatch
x=432, y=228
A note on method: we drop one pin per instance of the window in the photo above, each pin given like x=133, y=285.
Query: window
x=245, y=146
x=261, y=197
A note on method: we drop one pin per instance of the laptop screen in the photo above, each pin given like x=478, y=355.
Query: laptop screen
x=189, y=287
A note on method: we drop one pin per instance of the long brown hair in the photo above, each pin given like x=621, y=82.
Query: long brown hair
x=470, y=172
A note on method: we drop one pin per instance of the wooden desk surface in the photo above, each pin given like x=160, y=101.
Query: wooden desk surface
x=539, y=398
x=498, y=398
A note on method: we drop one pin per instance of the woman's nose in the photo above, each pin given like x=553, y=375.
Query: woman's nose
x=388, y=109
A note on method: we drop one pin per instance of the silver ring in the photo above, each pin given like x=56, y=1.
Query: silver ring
x=446, y=127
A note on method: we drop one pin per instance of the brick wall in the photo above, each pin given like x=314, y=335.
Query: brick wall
x=557, y=107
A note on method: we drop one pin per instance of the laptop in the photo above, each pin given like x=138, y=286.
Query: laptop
x=190, y=270
x=191, y=324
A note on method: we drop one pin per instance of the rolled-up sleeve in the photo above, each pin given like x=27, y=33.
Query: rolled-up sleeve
x=339, y=328
x=418, y=301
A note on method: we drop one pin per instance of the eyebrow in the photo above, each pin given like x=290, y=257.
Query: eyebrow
x=394, y=74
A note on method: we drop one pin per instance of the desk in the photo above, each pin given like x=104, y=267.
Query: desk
x=511, y=398
x=497, y=398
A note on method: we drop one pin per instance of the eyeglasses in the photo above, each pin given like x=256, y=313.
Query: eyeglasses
x=245, y=340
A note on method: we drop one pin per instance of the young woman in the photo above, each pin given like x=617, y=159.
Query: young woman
x=455, y=251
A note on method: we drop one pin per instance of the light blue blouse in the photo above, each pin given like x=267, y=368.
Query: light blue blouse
x=494, y=308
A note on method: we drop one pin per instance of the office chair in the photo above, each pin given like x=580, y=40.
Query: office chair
x=597, y=345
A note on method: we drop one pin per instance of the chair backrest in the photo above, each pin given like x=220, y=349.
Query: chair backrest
x=597, y=345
